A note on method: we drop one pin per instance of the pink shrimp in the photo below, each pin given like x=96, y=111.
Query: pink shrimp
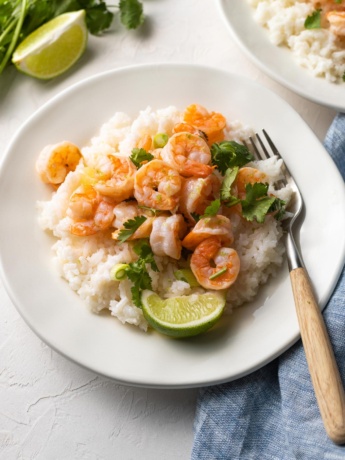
x=214, y=266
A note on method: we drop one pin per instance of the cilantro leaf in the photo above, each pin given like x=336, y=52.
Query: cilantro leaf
x=225, y=189
x=139, y=156
x=278, y=208
x=131, y=13
x=130, y=227
x=212, y=209
x=137, y=271
x=257, y=203
x=227, y=154
x=313, y=21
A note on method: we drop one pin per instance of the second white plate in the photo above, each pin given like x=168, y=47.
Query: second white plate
x=277, y=62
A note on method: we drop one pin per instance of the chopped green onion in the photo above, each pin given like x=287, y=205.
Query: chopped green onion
x=220, y=272
x=186, y=275
x=119, y=272
x=160, y=140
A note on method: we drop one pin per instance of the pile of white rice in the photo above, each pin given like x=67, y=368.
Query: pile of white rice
x=317, y=50
x=85, y=262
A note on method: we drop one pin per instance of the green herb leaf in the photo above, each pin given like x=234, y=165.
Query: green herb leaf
x=278, y=208
x=212, y=209
x=225, y=190
x=256, y=204
x=137, y=271
x=131, y=13
x=130, y=227
x=227, y=154
x=313, y=21
x=139, y=156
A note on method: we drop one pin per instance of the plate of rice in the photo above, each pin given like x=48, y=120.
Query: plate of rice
x=62, y=240
x=292, y=41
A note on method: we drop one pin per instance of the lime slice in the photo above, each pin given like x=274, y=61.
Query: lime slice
x=182, y=316
x=54, y=47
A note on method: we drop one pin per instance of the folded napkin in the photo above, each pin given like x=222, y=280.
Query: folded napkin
x=272, y=413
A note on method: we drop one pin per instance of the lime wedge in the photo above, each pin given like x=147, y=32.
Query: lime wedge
x=54, y=47
x=182, y=316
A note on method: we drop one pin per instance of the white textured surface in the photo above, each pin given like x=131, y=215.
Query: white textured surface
x=49, y=407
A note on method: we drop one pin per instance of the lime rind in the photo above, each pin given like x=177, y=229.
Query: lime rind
x=183, y=316
x=54, y=47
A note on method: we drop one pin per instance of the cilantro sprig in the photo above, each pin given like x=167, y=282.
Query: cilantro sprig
x=256, y=204
x=137, y=271
x=18, y=18
x=139, y=156
x=130, y=227
x=227, y=154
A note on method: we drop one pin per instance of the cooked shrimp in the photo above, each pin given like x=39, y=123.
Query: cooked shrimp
x=165, y=239
x=332, y=16
x=219, y=226
x=196, y=194
x=187, y=128
x=327, y=5
x=214, y=266
x=56, y=161
x=211, y=123
x=157, y=186
x=337, y=23
x=188, y=154
x=113, y=176
x=128, y=210
x=89, y=211
x=145, y=142
x=247, y=175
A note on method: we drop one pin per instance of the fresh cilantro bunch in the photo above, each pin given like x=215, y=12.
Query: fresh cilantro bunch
x=18, y=18
x=227, y=154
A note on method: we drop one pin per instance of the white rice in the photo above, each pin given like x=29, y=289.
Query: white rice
x=317, y=50
x=85, y=262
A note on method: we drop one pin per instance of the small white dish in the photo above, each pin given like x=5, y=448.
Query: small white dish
x=251, y=337
x=277, y=62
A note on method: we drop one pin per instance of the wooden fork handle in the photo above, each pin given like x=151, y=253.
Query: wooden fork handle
x=323, y=368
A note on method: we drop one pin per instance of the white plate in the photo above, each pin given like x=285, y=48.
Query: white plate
x=245, y=341
x=277, y=62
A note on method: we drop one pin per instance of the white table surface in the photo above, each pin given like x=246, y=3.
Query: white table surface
x=51, y=408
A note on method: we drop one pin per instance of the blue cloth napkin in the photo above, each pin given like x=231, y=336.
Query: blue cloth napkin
x=272, y=413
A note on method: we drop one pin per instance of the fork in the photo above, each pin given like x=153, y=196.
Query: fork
x=322, y=365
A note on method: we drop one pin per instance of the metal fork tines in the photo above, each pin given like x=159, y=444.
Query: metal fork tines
x=323, y=368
